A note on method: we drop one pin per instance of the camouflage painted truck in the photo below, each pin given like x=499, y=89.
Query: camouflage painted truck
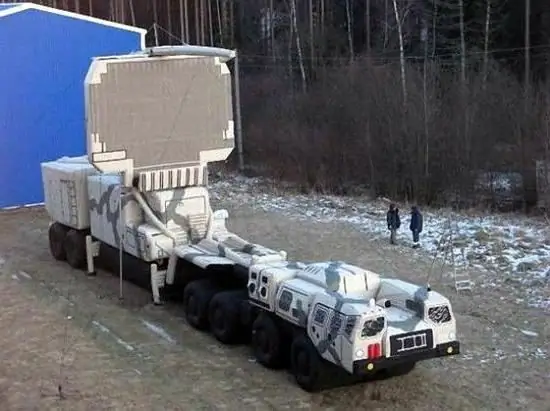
x=139, y=199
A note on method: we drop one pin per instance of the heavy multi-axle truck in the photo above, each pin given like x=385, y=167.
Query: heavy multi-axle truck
x=155, y=119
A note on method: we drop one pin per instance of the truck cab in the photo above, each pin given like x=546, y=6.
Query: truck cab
x=354, y=319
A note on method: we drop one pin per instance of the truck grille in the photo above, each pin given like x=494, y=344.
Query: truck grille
x=403, y=344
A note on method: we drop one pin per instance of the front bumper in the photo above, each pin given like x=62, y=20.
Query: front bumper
x=367, y=367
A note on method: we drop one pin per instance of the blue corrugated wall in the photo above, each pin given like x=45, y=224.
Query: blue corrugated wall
x=44, y=59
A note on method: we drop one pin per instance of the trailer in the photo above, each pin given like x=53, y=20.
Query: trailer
x=155, y=119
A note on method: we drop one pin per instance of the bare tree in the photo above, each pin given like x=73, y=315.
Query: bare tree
x=196, y=3
x=527, y=47
x=298, y=45
x=486, y=41
x=169, y=20
x=462, y=43
x=132, y=11
x=401, y=52
x=349, y=23
x=155, y=12
x=210, y=23
x=367, y=25
x=182, y=22
x=272, y=29
x=425, y=102
x=186, y=18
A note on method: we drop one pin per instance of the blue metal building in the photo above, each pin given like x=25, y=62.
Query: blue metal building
x=45, y=54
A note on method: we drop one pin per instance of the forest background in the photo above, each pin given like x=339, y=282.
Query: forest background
x=418, y=100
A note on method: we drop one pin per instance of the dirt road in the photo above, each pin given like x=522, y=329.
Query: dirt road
x=62, y=331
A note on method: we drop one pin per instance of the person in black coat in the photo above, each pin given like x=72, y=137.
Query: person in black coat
x=416, y=225
x=394, y=222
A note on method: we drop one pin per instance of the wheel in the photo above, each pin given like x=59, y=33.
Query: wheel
x=224, y=316
x=196, y=298
x=56, y=234
x=267, y=342
x=75, y=249
x=307, y=365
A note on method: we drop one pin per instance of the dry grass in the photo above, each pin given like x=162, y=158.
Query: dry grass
x=48, y=363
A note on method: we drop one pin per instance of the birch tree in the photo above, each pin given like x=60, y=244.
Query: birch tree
x=298, y=44
x=401, y=52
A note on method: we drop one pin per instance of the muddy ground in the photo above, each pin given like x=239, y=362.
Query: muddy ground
x=68, y=342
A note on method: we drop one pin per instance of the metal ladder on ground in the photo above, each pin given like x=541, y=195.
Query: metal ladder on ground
x=462, y=280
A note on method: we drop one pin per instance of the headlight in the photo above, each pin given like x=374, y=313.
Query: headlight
x=359, y=353
x=373, y=327
x=439, y=314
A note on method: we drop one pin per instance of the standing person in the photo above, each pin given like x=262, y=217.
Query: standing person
x=416, y=225
x=394, y=222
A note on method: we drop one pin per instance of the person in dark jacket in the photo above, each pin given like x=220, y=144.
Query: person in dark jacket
x=416, y=225
x=394, y=222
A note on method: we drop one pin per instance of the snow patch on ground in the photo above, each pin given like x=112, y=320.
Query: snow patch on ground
x=119, y=340
x=512, y=251
x=159, y=331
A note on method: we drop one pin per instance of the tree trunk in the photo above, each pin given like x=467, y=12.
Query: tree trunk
x=272, y=29
x=132, y=11
x=462, y=44
x=112, y=11
x=386, y=14
x=169, y=18
x=203, y=22
x=155, y=12
x=527, y=47
x=401, y=52
x=486, y=42
x=186, y=18
x=349, y=29
x=182, y=23
x=196, y=22
x=425, y=101
x=311, y=34
x=367, y=25
x=232, y=21
x=298, y=45
x=434, y=29
x=123, y=11
x=210, y=25
x=220, y=10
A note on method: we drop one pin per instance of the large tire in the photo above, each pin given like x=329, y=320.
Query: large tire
x=267, y=342
x=307, y=366
x=56, y=235
x=75, y=249
x=225, y=318
x=196, y=298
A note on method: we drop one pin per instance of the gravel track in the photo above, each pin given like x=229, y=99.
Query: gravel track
x=121, y=362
